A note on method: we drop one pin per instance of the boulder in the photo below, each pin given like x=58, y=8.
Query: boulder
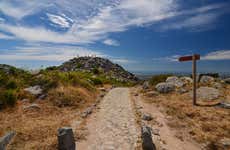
x=5, y=140
x=146, y=136
x=34, y=90
x=227, y=80
x=145, y=85
x=175, y=81
x=147, y=117
x=206, y=79
x=207, y=93
x=164, y=87
x=66, y=139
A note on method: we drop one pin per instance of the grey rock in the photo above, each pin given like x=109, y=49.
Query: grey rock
x=5, y=140
x=206, y=79
x=146, y=136
x=175, y=81
x=32, y=107
x=34, y=90
x=66, y=139
x=87, y=112
x=164, y=87
x=147, y=117
x=145, y=85
x=207, y=93
x=43, y=96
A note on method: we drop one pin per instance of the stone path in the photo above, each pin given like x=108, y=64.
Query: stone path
x=113, y=127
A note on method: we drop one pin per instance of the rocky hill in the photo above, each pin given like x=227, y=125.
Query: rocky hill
x=97, y=65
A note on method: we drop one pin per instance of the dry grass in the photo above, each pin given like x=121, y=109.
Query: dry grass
x=38, y=128
x=206, y=124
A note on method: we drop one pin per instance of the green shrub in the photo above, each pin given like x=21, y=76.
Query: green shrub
x=159, y=78
x=11, y=84
x=96, y=81
x=8, y=98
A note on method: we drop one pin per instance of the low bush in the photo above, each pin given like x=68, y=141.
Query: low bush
x=8, y=98
x=66, y=96
x=96, y=81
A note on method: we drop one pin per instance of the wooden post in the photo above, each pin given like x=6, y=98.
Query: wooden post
x=194, y=78
x=193, y=57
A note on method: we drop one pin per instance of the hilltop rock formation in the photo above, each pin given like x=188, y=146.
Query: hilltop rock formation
x=96, y=65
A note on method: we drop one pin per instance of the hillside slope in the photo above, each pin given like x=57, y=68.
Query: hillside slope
x=98, y=65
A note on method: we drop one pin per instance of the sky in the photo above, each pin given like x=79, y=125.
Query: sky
x=140, y=35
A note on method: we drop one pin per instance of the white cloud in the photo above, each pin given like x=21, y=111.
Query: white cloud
x=4, y=36
x=111, y=42
x=200, y=20
x=48, y=53
x=109, y=16
x=172, y=58
x=94, y=20
x=59, y=20
x=123, y=60
x=217, y=55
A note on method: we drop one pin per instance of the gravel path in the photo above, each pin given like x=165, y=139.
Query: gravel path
x=113, y=127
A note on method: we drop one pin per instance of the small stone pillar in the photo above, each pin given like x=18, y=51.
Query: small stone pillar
x=66, y=139
x=147, y=142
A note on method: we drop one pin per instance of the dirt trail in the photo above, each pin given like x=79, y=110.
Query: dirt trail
x=166, y=137
x=113, y=127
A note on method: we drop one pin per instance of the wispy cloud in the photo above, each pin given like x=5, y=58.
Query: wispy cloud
x=111, y=42
x=123, y=60
x=94, y=20
x=4, y=36
x=217, y=55
x=214, y=55
x=48, y=53
x=59, y=20
x=172, y=58
x=105, y=17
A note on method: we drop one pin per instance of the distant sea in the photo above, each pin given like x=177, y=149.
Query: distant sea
x=148, y=74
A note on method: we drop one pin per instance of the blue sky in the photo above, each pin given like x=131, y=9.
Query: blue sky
x=141, y=35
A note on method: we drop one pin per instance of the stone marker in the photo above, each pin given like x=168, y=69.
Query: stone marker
x=66, y=139
x=147, y=142
x=5, y=140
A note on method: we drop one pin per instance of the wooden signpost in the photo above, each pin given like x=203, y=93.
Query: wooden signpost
x=193, y=58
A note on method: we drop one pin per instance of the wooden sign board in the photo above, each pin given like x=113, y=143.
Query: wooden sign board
x=189, y=58
x=192, y=58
